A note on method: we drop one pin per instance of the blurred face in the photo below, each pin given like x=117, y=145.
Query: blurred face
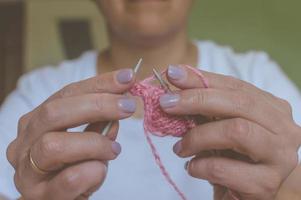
x=145, y=19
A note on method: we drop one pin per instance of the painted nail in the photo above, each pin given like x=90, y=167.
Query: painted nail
x=125, y=76
x=169, y=100
x=177, y=147
x=175, y=72
x=186, y=165
x=127, y=105
x=116, y=148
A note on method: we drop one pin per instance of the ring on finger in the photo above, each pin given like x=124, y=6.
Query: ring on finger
x=35, y=166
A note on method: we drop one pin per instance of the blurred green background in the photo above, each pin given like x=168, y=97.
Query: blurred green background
x=273, y=26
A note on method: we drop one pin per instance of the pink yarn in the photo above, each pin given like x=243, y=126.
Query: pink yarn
x=159, y=123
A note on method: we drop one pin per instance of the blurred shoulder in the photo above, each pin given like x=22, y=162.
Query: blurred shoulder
x=252, y=66
x=255, y=67
x=44, y=81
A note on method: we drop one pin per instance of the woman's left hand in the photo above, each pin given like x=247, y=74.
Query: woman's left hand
x=255, y=128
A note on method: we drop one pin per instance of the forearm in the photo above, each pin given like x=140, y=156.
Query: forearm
x=291, y=187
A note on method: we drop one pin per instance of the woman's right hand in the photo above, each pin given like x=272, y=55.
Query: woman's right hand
x=52, y=163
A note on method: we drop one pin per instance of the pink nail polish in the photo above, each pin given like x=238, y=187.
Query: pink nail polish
x=177, y=147
x=116, y=148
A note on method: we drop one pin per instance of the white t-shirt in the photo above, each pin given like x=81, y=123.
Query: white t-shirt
x=134, y=174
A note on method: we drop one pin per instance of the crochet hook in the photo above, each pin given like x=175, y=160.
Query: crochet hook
x=110, y=124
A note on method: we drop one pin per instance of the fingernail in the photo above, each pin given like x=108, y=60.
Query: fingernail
x=127, y=105
x=169, y=100
x=186, y=165
x=125, y=76
x=116, y=148
x=176, y=72
x=177, y=147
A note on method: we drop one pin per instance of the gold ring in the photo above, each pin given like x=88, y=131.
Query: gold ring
x=35, y=167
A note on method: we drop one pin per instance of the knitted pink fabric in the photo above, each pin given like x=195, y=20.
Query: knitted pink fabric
x=159, y=123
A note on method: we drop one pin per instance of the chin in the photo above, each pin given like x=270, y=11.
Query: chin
x=151, y=35
x=146, y=22
x=149, y=31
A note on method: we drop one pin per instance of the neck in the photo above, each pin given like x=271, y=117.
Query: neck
x=159, y=54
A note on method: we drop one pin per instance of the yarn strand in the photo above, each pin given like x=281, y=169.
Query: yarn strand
x=159, y=123
x=162, y=166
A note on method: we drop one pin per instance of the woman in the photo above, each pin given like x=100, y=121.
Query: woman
x=258, y=127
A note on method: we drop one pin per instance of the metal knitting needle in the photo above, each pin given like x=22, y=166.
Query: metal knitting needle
x=165, y=85
x=162, y=82
x=110, y=124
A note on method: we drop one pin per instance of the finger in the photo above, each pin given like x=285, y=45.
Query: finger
x=236, y=175
x=182, y=76
x=28, y=178
x=76, y=180
x=240, y=135
x=88, y=193
x=185, y=78
x=228, y=153
x=233, y=195
x=56, y=150
x=75, y=111
x=229, y=196
x=219, y=192
x=224, y=104
x=116, y=82
x=99, y=126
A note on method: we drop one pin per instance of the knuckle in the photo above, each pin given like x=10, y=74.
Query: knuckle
x=271, y=184
x=100, y=84
x=296, y=137
x=287, y=155
x=291, y=159
x=198, y=98
x=48, y=147
x=235, y=83
x=216, y=171
x=68, y=90
x=17, y=182
x=22, y=123
x=238, y=129
x=286, y=105
x=49, y=112
x=100, y=102
x=243, y=103
x=11, y=153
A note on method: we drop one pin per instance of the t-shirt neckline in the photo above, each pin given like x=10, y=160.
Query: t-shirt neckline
x=201, y=63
